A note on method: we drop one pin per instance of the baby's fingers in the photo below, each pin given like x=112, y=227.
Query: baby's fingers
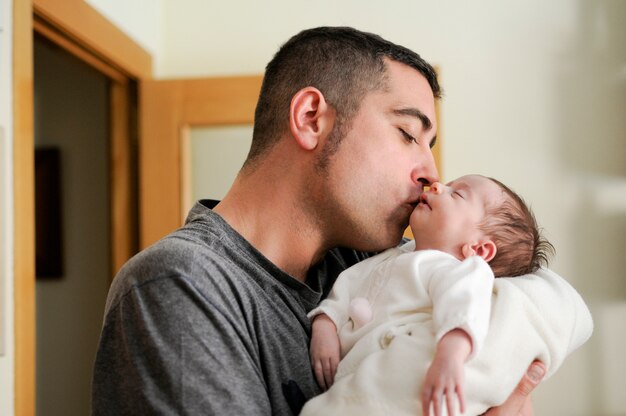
x=329, y=373
x=426, y=393
x=461, y=395
x=437, y=399
x=319, y=374
x=452, y=393
x=450, y=396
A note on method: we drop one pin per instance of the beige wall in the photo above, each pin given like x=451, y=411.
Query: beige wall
x=140, y=19
x=535, y=95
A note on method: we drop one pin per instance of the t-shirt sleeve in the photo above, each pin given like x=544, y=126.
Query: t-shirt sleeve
x=167, y=349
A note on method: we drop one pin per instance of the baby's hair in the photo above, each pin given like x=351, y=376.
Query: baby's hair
x=521, y=249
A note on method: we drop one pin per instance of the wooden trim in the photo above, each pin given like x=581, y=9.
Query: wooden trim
x=80, y=22
x=185, y=170
x=59, y=39
x=24, y=208
x=223, y=100
x=168, y=108
x=123, y=221
x=159, y=122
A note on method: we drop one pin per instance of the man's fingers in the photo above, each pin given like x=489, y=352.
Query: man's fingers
x=533, y=377
x=517, y=403
x=527, y=409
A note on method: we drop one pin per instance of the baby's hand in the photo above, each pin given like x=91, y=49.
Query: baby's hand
x=446, y=375
x=325, y=350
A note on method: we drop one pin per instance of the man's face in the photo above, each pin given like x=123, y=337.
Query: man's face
x=449, y=216
x=376, y=176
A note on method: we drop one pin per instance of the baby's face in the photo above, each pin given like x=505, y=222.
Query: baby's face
x=448, y=216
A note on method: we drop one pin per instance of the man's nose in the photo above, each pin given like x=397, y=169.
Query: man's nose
x=426, y=170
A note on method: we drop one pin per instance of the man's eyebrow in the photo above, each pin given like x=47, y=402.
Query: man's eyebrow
x=414, y=112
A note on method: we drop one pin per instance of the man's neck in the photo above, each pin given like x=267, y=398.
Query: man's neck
x=266, y=212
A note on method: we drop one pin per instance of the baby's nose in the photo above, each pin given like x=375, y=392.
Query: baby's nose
x=436, y=187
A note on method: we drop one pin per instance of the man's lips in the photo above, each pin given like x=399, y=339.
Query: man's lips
x=410, y=206
x=424, y=202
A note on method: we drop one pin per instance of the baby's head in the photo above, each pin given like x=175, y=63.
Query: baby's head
x=476, y=215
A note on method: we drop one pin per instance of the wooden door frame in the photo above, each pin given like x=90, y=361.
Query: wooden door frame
x=169, y=108
x=82, y=31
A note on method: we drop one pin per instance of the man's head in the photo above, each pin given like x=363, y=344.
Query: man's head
x=475, y=215
x=343, y=130
x=344, y=64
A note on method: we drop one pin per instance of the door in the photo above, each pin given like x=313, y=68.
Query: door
x=73, y=224
x=170, y=111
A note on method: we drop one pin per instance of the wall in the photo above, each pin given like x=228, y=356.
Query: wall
x=71, y=114
x=7, y=357
x=534, y=95
x=139, y=19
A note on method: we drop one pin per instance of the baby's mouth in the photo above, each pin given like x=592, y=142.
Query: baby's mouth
x=423, y=201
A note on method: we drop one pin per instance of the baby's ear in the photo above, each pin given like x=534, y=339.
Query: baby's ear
x=485, y=249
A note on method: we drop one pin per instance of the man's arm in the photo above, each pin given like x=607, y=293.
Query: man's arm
x=166, y=349
x=518, y=402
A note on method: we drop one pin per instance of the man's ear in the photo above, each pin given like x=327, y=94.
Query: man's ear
x=485, y=249
x=311, y=118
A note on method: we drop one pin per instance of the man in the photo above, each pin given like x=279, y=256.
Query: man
x=212, y=319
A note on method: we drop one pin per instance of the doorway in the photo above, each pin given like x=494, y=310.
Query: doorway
x=71, y=102
x=77, y=28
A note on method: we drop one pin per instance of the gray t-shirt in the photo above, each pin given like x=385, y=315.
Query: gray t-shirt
x=203, y=323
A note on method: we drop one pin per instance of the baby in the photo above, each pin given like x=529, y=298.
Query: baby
x=429, y=301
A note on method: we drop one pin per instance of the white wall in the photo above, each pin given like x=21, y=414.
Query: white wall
x=7, y=357
x=140, y=19
x=535, y=96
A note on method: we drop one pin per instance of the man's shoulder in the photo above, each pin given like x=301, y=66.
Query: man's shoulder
x=176, y=251
x=178, y=258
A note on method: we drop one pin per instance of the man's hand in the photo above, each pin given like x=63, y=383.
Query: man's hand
x=518, y=402
x=325, y=350
x=445, y=378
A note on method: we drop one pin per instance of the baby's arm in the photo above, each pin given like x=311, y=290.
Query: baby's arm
x=445, y=377
x=460, y=292
x=325, y=350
